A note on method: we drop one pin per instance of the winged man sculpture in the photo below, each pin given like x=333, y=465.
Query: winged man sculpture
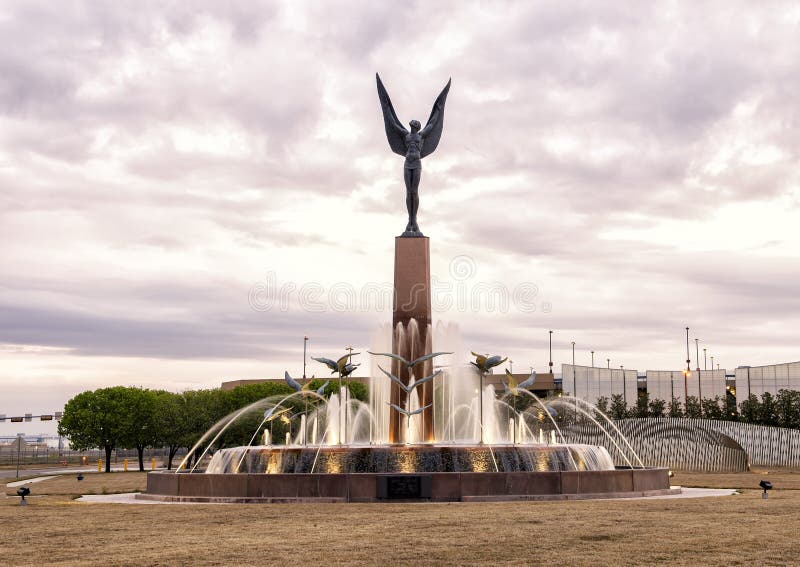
x=414, y=145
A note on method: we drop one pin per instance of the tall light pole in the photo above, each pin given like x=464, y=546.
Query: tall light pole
x=712, y=363
x=574, y=384
x=705, y=360
x=624, y=396
x=688, y=369
x=305, y=344
x=688, y=360
x=551, y=352
x=608, y=361
x=697, y=352
x=592, y=359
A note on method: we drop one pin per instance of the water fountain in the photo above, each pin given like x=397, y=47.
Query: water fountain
x=431, y=429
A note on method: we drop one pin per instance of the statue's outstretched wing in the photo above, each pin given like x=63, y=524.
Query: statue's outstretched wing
x=433, y=129
x=395, y=131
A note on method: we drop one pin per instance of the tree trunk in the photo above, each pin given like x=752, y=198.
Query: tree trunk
x=172, y=450
x=108, y=449
x=140, y=451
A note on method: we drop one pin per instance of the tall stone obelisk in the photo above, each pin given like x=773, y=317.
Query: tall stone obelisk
x=411, y=322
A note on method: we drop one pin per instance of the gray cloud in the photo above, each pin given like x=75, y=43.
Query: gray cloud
x=145, y=150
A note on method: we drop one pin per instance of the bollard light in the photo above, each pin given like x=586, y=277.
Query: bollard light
x=22, y=492
x=766, y=485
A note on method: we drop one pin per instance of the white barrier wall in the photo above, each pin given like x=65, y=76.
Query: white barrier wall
x=772, y=378
x=589, y=384
x=666, y=384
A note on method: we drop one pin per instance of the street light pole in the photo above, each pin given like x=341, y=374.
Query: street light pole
x=688, y=360
x=697, y=352
x=705, y=360
x=574, y=382
x=608, y=361
x=551, y=352
x=687, y=371
x=574, y=385
x=592, y=359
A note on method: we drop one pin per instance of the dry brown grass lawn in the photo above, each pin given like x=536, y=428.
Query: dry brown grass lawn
x=92, y=483
x=734, y=530
x=784, y=479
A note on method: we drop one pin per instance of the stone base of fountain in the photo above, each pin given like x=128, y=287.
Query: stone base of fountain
x=433, y=487
x=438, y=473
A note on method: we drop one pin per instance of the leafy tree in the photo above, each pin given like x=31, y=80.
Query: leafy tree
x=713, y=408
x=788, y=405
x=657, y=408
x=619, y=409
x=172, y=422
x=141, y=425
x=95, y=419
x=203, y=408
x=675, y=409
x=768, y=413
x=693, y=408
x=602, y=405
x=750, y=409
x=642, y=402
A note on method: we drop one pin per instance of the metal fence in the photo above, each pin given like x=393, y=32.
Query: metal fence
x=47, y=456
x=697, y=444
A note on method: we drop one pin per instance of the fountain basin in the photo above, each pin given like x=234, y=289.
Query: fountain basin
x=443, y=473
x=379, y=487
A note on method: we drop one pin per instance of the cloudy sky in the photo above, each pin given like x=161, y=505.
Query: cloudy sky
x=187, y=191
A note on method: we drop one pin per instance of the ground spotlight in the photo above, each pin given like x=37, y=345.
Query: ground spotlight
x=80, y=477
x=22, y=492
x=766, y=485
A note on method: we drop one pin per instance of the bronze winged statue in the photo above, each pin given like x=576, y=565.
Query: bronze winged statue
x=414, y=145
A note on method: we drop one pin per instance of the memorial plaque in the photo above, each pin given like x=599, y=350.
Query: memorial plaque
x=403, y=487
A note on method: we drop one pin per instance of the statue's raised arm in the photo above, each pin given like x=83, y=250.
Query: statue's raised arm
x=414, y=145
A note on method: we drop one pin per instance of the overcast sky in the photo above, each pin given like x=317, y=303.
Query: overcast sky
x=618, y=170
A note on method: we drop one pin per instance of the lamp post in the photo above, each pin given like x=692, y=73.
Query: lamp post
x=705, y=360
x=712, y=363
x=608, y=362
x=624, y=396
x=305, y=344
x=574, y=385
x=592, y=359
x=688, y=360
x=688, y=369
x=574, y=382
x=697, y=352
x=551, y=352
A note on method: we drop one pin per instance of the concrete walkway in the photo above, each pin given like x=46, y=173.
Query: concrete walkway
x=29, y=481
x=130, y=498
